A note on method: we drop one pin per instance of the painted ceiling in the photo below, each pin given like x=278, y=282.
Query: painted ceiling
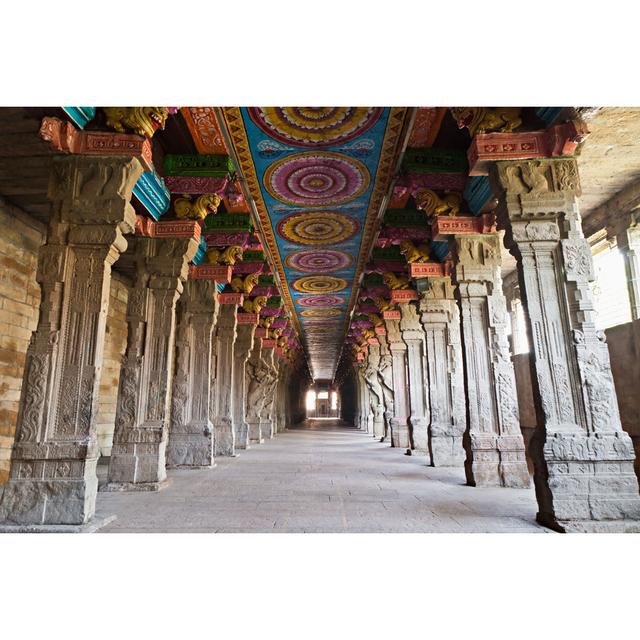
x=317, y=177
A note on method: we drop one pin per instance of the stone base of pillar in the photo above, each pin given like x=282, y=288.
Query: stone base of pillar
x=586, y=483
x=255, y=437
x=400, y=433
x=89, y=527
x=242, y=436
x=139, y=463
x=115, y=487
x=225, y=441
x=61, y=500
x=445, y=449
x=192, y=449
x=266, y=429
x=496, y=461
x=378, y=428
x=419, y=434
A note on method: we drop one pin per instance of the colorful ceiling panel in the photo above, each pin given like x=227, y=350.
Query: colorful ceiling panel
x=317, y=177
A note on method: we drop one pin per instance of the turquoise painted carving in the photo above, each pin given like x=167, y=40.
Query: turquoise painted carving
x=152, y=193
x=80, y=116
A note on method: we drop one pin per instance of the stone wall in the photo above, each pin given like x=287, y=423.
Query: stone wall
x=114, y=348
x=20, y=238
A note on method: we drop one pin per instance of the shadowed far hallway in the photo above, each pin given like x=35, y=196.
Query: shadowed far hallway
x=321, y=477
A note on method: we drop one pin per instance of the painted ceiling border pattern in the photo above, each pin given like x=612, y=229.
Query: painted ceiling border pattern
x=389, y=152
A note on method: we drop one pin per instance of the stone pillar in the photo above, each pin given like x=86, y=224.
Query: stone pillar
x=376, y=398
x=413, y=336
x=494, y=443
x=266, y=415
x=191, y=431
x=385, y=377
x=399, y=421
x=584, y=474
x=440, y=318
x=52, y=478
x=138, y=456
x=255, y=372
x=628, y=242
x=225, y=337
x=241, y=350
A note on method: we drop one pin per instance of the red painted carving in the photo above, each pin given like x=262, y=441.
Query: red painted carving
x=426, y=126
x=196, y=184
x=391, y=315
x=175, y=229
x=373, y=341
x=381, y=331
x=64, y=137
x=403, y=295
x=204, y=128
x=268, y=343
x=210, y=272
x=559, y=140
x=444, y=226
x=261, y=332
x=436, y=181
x=247, y=318
x=399, y=197
x=230, y=298
x=393, y=235
x=245, y=268
x=226, y=239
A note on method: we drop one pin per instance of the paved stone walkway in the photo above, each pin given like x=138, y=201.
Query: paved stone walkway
x=324, y=478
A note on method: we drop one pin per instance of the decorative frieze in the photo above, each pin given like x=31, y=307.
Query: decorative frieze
x=583, y=460
x=197, y=185
x=220, y=273
x=207, y=165
x=444, y=226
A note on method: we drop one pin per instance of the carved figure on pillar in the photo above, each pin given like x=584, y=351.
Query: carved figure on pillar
x=256, y=375
x=493, y=442
x=241, y=350
x=52, y=478
x=399, y=422
x=191, y=431
x=142, y=415
x=385, y=376
x=376, y=397
x=583, y=460
x=440, y=318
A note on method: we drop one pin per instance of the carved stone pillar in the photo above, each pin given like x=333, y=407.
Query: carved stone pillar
x=53, y=465
x=138, y=456
x=385, y=376
x=494, y=443
x=399, y=421
x=255, y=378
x=413, y=336
x=629, y=244
x=583, y=459
x=266, y=415
x=440, y=318
x=376, y=398
x=191, y=431
x=224, y=341
x=241, y=350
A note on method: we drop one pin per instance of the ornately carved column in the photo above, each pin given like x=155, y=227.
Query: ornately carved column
x=385, y=377
x=629, y=245
x=399, y=422
x=241, y=350
x=53, y=465
x=225, y=337
x=413, y=336
x=440, y=318
x=494, y=443
x=266, y=415
x=255, y=372
x=583, y=459
x=376, y=397
x=138, y=456
x=191, y=431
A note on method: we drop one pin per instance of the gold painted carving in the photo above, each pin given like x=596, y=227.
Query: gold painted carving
x=433, y=205
x=197, y=209
x=485, y=119
x=144, y=121
x=414, y=254
x=228, y=256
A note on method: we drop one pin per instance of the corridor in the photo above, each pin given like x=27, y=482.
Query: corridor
x=321, y=478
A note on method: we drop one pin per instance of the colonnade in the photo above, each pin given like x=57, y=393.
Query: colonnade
x=193, y=384
x=452, y=348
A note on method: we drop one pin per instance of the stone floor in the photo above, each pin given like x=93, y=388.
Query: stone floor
x=321, y=478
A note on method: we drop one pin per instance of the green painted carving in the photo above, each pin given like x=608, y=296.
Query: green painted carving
x=432, y=160
x=228, y=222
x=405, y=218
x=215, y=165
x=390, y=253
x=266, y=280
x=373, y=280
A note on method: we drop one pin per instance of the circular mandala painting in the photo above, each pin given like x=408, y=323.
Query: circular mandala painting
x=315, y=126
x=321, y=301
x=316, y=179
x=322, y=312
x=319, y=284
x=318, y=260
x=318, y=227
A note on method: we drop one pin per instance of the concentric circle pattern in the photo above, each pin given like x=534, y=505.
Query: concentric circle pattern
x=321, y=301
x=319, y=284
x=321, y=312
x=318, y=260
x=318, y=227
x=315, y=126
x=316, y=179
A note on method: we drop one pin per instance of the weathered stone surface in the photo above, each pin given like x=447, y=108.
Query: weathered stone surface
x=241, y=350
x=191, y=432
x=52, y=477
x=583, y=460
x=142, y=417
x=255, y=379
x=493, y=442
x=400, y=416
x=376, y=398
x=440, y=318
